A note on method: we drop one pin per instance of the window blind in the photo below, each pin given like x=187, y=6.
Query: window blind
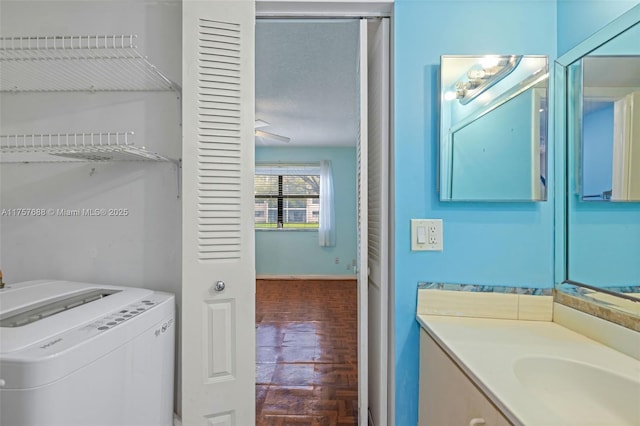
x=286, y=195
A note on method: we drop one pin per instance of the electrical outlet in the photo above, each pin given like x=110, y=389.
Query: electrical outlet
x=426, y=234
x=433, y=234
x=337, y=260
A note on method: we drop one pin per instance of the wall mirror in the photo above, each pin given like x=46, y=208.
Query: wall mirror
x=609, y=106
x=600, y=245
x=493, y=128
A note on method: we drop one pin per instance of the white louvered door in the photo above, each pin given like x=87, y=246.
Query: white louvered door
x=378, y=217
x=363, y=262
x=218, y=276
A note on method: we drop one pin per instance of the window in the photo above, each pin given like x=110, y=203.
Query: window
x=286, y=196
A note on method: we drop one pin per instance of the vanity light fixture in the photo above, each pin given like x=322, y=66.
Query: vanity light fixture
x=483, y=75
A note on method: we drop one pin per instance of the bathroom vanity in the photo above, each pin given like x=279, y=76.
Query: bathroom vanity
x=442, y=381
x=483, y=371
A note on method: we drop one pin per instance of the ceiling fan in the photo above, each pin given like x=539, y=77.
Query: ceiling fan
x=268, y=135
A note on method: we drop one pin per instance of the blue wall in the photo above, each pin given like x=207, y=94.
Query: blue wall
x=296, y=252
x=597, y=151
x=493, y=243
x=578, y=19
x=604, y=238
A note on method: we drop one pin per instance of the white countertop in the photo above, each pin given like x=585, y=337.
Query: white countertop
x=488, y=349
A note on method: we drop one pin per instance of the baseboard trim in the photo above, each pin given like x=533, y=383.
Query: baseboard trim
x=306, y=277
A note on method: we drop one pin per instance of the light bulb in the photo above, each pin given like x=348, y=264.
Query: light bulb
x=490, y=61
x=477, y=74
x=449, y=96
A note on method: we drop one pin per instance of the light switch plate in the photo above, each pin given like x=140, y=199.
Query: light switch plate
x=426, y=234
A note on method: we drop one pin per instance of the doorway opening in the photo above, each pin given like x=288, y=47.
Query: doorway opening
x=322, y=93
x=307, y=111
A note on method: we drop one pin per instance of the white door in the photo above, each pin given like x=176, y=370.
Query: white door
x=378, y=215
x=218, y=275
x=362, y=269
x=626, y=148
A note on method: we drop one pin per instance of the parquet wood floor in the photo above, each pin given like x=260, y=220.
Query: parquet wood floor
x=307, y=353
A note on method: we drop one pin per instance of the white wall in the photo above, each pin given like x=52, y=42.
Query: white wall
x=142, y=249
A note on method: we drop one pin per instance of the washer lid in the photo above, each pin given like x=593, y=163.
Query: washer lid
x=37, y=310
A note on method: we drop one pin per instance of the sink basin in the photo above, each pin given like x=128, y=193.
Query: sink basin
x=580, y=393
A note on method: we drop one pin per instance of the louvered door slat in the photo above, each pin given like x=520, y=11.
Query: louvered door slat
x=209, y=69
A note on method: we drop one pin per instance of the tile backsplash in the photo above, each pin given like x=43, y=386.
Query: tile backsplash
x=602, y=305
x=484, y=301
x=483, y=288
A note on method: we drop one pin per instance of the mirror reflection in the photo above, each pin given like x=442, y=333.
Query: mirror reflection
x=493, y=128
x=599, y=79
x=610, y=160
x=624, y=299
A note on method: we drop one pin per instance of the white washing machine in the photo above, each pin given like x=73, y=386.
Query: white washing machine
x=79, y=354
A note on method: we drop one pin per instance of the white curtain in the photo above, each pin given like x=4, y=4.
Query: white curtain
x=327, y=227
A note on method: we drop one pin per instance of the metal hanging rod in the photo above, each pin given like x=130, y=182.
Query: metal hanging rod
x=73, y=147
x=77, y=63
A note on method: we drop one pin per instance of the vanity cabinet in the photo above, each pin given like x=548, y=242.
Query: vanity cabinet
x=447, y=395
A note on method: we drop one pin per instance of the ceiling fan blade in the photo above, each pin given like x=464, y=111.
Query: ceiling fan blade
x=272, y=136
x=261, y=123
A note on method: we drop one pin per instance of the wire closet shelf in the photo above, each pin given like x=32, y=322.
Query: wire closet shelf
x=73, y=147
x=77, y=63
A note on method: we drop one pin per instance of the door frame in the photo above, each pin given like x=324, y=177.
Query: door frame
x=352, y=9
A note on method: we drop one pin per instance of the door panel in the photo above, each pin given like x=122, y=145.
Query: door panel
x=220, y=318
x=223, y=419
x=218, y=277
x=378, y=218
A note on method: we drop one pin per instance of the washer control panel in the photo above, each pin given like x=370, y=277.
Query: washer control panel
x=119, y=317
x=83, y=333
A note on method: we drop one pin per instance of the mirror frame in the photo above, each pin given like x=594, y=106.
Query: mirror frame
x=565, y=137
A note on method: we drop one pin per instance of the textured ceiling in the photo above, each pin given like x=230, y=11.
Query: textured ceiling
x=307, y=81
